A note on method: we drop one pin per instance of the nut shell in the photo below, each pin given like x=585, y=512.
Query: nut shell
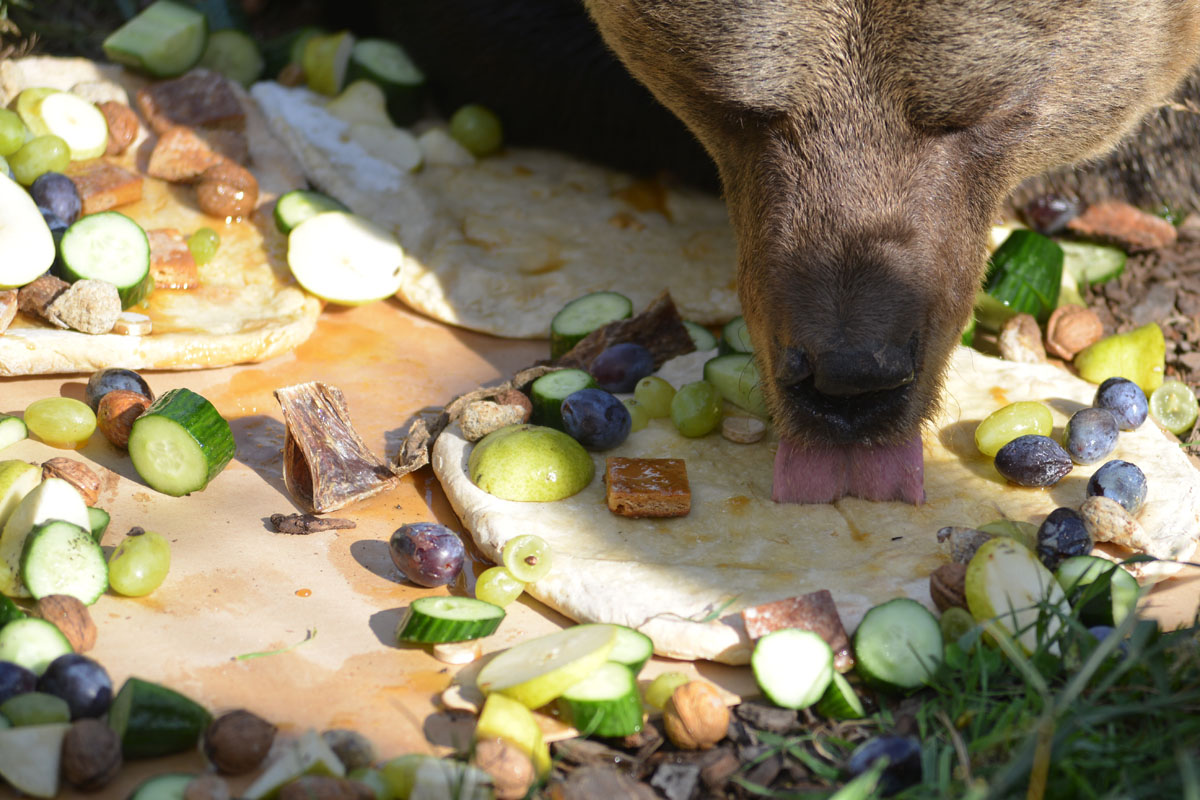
x=91, y=754
x=511, y=769
x=1021, y=340
x=237, y=742
x=696, y=717
x=1070, y=329
x=78, y=474
x=71, y=616
x=948, y=586
x=227, y=190
x=116, y=413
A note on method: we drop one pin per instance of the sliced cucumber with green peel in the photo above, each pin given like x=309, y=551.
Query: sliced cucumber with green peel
x=295, y=206
x=180, y=443
x=605, y=703
x=1090, y=264
x=840, y=701
x=171, y=786
x=152, y=720
x=736, y=378
x=107, y=246
x=33, y=643
x=61, y=558
x=166, y=39
x=633, y=649
x=548, y=392
x=99, y=519
x=735, y=337
x=792, y=667
x=1101, y=592
x=1025, y=274
x=35, y=708
x=448, y=619
x=898, y=645
x=385, y=63
x=9, y=611
x=539, y=670
x=583, y=315
x=12, y=430
x=702, y=337
x=233, y=54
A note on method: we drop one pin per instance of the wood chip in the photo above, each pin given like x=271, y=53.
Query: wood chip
x=307, y=523
x=34, y=298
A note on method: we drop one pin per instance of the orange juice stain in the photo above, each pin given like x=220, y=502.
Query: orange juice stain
x=999, y=395
x=304, y=593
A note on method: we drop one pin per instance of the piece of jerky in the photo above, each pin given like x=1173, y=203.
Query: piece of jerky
x=659, y=329
x=307, y=523
x=326, y=464
x=200, y=98
x=182, y=154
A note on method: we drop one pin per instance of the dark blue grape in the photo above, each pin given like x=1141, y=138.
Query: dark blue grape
x=1090, y=435
x=57, y=192
x=904, y=762
x=596, y=419
x=1121, y=481
x=81, y=682
x=1125, y=399
x=104, y=381
x=1033, y=460
x=1061, y=536
x=1049, y=214
x=620, y=367
x=427, y=553
x=54, y=222
x=15, y=680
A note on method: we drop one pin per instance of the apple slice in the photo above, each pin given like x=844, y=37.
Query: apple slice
x=12, y=430
x=1006, y=586
x=17, y=479
x=506, y=718
x=30, y=757
x=53, y=498
x=537, y=671
x=311, y=755
x=77, y=122
x=25, y=239
x=393, y=145
x=344, y=258
x=362, y=102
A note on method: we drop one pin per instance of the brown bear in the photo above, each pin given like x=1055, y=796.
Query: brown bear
x=863, y=147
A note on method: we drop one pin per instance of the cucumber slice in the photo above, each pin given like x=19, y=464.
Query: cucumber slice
x=1101, y=592
x=153, y=721
x=1006, y=588
x=325, y=60
x=539, y=670
x=99, y=520
x=605, y=703
x=166, y=40
x=633, y=649
x=840, y=701
x=107, y=246
x=77, y=122
x=505, y=718
x=735, y=337
x=583, y=315
x=295, y=206
x=1090, y=264
x=32, y=643
x=180, y=443
x=12, y=430
x=702, y=337
x=736, y=378
x=53, y=498
x=30, y=758
x=448, y=619
x=26, y=242
x=61, y=558
x=548, y=392
x=792, y=667
x=385, y=63
x=17, y=479
x=35, y=708
x=344, y=258
x=233, y=54
x=1025, y=273
x=898, y=645
x=171, y=786
x=9, y=611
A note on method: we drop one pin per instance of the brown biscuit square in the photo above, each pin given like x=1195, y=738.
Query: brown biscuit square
x=647, y=487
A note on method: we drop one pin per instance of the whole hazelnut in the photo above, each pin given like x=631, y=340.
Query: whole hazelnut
x=227, y=190
x=116, y=413
x=511, y=769
x=1070, y=329
x=947, y=586
x=237, y=742
x=696, y=717
x=91, y=754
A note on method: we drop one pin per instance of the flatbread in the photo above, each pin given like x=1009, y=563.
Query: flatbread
x=499, y=245
x=248, y=307
x=684, y=581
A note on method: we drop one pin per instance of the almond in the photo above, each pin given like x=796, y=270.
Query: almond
x=76, y=473
x=948, y=586
x=70, y=616
x=116, y=413
x=1070, y=329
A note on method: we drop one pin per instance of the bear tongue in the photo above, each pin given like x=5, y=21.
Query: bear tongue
x=825, y=474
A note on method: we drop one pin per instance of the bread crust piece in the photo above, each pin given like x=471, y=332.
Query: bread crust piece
x=684, y=581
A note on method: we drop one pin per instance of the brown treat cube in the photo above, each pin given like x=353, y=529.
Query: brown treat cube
x=183, y=154
x=171, y=263
x=647, y=487
x=814, y=612
x=102, y=185
x=198, y=99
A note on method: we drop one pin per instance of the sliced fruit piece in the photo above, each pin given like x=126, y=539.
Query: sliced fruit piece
x=1107, y=592
x=25, y=240
x=385, y=63
x=153, y=721
x=30, y=757
x=345, y=259
x=605, y=703
x=736, y=378
x=898, y=645
x=393, y=145
x=53, y=498
x=170, y=786
x=1090, y=264
x=180, y=443
x=325, y=60
x=17, y=479
x=166, y=39
x=441, y=778
x=702, y=337
x=234, y=54
x=310, y=755
x=633, y=649
x=77, y=122
x=295, y=206
x=12, y=430
x=10, y=611
x=583, y=315
x=528, y=557
x=32, y=643
x=99, y=519
x=361, y=103
x=506, y=718
x=27, y=105
x=735, y=337
x=1173, y=405
x=1023, y=532
x=1138, y=355
x=537, y=671
x=35, y=708
x=448, y=619
x=840, y=701
x=108, y=246
x=793, y=667
x=1007, y=588
x=62, y=558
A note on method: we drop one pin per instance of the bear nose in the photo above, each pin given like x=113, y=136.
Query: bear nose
x=864, y=367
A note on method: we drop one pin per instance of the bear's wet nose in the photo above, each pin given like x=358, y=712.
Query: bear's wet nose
x=862, y=368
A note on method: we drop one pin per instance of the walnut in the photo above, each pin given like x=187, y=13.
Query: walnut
x=237, y=742
x=122, y=126
x=116, y=413
x=71, y=616
x=511, y=769
x=1070, y=329
x=1021, y=340
x=696, y=717
x=76, y=473
x=91, y=754
x=227, y=190
x=352, y=748
x=948, y=586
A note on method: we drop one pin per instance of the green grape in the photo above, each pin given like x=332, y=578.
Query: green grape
x=955, y=621
x=38, y=156
x=374, y=779
x=527, y=557
x=662, y=687
x=637, y=413
x=498, y=586
x=13, y=132
x=696, y=409
x=477, y=129
x=1015, y=419
x=204, y=244
x=1174, y=406
x=139, y=564
x=654, y=394
x=60, y=421
x=5, y=169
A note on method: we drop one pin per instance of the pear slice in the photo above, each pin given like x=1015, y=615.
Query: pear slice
x=537, y=671
x=1138, y=355
x=53, y=498
x=506, y=718
x=30, y=757
x=311, y=755
x=1006, y=586
x=25, y=240
x=17, y=479
x=362, y=102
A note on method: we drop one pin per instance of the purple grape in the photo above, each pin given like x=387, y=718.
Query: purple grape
x=620, y=367
x=1125, y=399
x=1090, y=435
x=54, y=222
x=904, y=762
x=427, y=553
x=1121, y=481
x=104, y=381
x=81, y=682
x=15, y=680
x=57, y=192
x=596, y=419
x=1062, y=535
x=1033, y=460
x=1049, y=214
